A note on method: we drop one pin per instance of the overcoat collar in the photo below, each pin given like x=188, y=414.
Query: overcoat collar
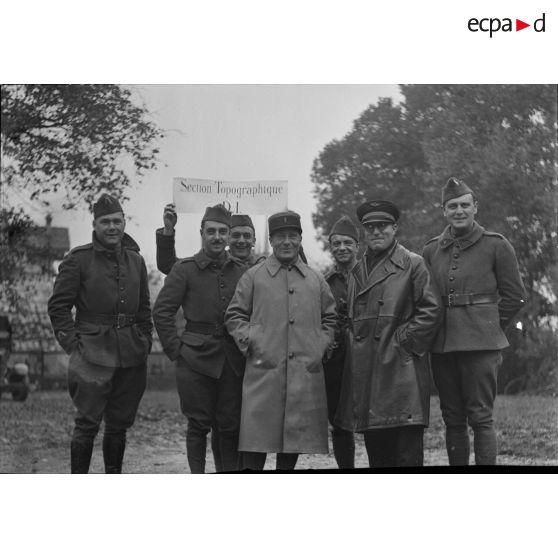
x=127, y=243
x=203, y=260
x=273, y=265
x=463, y=242
x=395, y=259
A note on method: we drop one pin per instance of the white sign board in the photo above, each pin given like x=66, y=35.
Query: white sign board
x=257, y=197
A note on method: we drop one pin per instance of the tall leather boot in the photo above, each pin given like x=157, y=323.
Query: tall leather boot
x=343, y=448
x=216, y=449
x=80, y=455
x=229, y=451
x=196, y=445
x=457, y=445
x=486, y=445
x=114, y=445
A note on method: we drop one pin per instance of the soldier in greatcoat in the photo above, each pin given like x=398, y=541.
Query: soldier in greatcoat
x=282, y=318
x=110, y=337
x=343, y=245
x=476, y=276
x=208, y=386
x=242, y=240
x=393, y=315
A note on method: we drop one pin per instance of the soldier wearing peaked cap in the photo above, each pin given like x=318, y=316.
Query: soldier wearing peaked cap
x=476, y=276
x=282, y=317
x=343, y=245
x=393, y=315
x=209, y=386
x=242, y=240
x=110, y=338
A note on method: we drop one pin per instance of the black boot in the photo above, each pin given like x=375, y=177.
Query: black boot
x=229, y=451
x=114, y=445
x=216, y=449
x=343, y=448
x=196, y=445
x=80, y=456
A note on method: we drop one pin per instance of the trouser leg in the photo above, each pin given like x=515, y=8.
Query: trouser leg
x=343, y=448
x=229, y=398
x=479, y=373
x=89, y=386
x=380, y=447
x=128, y=387
x=216, y=449
x=198, y=397
x=409, y=446
x=448, y=380
x=252, y=460
x=286, y=461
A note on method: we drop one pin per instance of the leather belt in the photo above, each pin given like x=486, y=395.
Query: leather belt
x=116, y=320
x=205, y=328
x=459, y=299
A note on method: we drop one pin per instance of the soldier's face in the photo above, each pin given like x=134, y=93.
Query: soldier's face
x=286, y=244
x=109, y=229
x=215, y=237
x=343, y=248
x=379, y=235
x=241, y=242
x=460, y=213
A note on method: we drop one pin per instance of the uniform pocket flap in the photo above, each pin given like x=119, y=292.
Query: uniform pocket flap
x=193, y=339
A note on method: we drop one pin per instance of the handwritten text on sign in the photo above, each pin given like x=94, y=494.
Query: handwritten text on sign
x=258, y=197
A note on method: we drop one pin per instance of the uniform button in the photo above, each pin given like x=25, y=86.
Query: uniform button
x=291, y=321
x=291, y=290
x=381, y=302
x=289, y=268
x=452, y=291
x=291, y=355
x=222, y=285
x=451, y=278
x=377, y=337
x=222, y=298
x=121, y=288
x=456, y=255
x=122, y=300
x=454, y=267
x=358, y=337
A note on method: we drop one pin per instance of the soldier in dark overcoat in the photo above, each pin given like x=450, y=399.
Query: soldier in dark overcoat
x=343, y=245
x=393, y=315
x=476, y=276
x=110, y=337
x=208, y=386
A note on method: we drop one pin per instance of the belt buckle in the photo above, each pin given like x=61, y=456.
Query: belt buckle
x=120, y=321
x=450, y=300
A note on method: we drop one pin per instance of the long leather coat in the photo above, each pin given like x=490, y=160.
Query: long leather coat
x=393, y=314
x=283, y=319
x=101, y=284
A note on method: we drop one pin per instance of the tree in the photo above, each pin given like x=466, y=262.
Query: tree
x=501, y=139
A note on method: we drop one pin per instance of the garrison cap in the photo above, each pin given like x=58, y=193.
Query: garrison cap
x=377, y=211
x=217, y=213
x=106, y=205
x=241, y=221
x=346, y=227
x=284, y=220
x=455, y=188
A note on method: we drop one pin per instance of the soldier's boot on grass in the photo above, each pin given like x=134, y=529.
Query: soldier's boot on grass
x=485, y=445
x=216, y=449
x=114, y=445
x=195, y=448
x=457, y=445
x=343, y=448
x=229, y=451
x=80, y=455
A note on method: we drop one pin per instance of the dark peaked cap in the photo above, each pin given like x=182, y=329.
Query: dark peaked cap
x=219, y=214
x=377, y=211
x=106, y=205
x=284, y=220
x=241, y=221
x=345, y=227
x=455, y=188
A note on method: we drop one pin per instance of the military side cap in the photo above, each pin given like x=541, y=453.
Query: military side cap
x=455, y=188
x=241, y=221
x=106, y=205
x=345, y=227
x=284, y=220
x=219, y=214
x=377, y=211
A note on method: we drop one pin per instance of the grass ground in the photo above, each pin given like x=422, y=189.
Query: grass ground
x=35, y=435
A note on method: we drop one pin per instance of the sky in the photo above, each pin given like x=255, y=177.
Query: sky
x=237, y=133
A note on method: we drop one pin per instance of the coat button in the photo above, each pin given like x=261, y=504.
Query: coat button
x=291, y=321
x=122, y=301
x=291, y=290
x=380, y=302
x=454, y=267
x=291, y=355
x=222, y=285
x=452, y=291
x=452, y=278
x=121, y=288
x=456, y=256
x=377, y=337
x=358, y=338
x=222, y=298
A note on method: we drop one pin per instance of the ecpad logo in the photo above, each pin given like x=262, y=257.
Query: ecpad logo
x=492, y=25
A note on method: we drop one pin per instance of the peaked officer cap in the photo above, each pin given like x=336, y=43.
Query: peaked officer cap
x=284, y=220
x=217, y=213
x=241, y=221
x=106, y=205
x=455, y=188
x=345, y=227
x=378, y=211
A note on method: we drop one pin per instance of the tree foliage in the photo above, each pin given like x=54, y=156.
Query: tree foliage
x=501, y=139
x=78, y=138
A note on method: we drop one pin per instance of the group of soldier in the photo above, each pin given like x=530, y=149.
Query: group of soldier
x=271, y=351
